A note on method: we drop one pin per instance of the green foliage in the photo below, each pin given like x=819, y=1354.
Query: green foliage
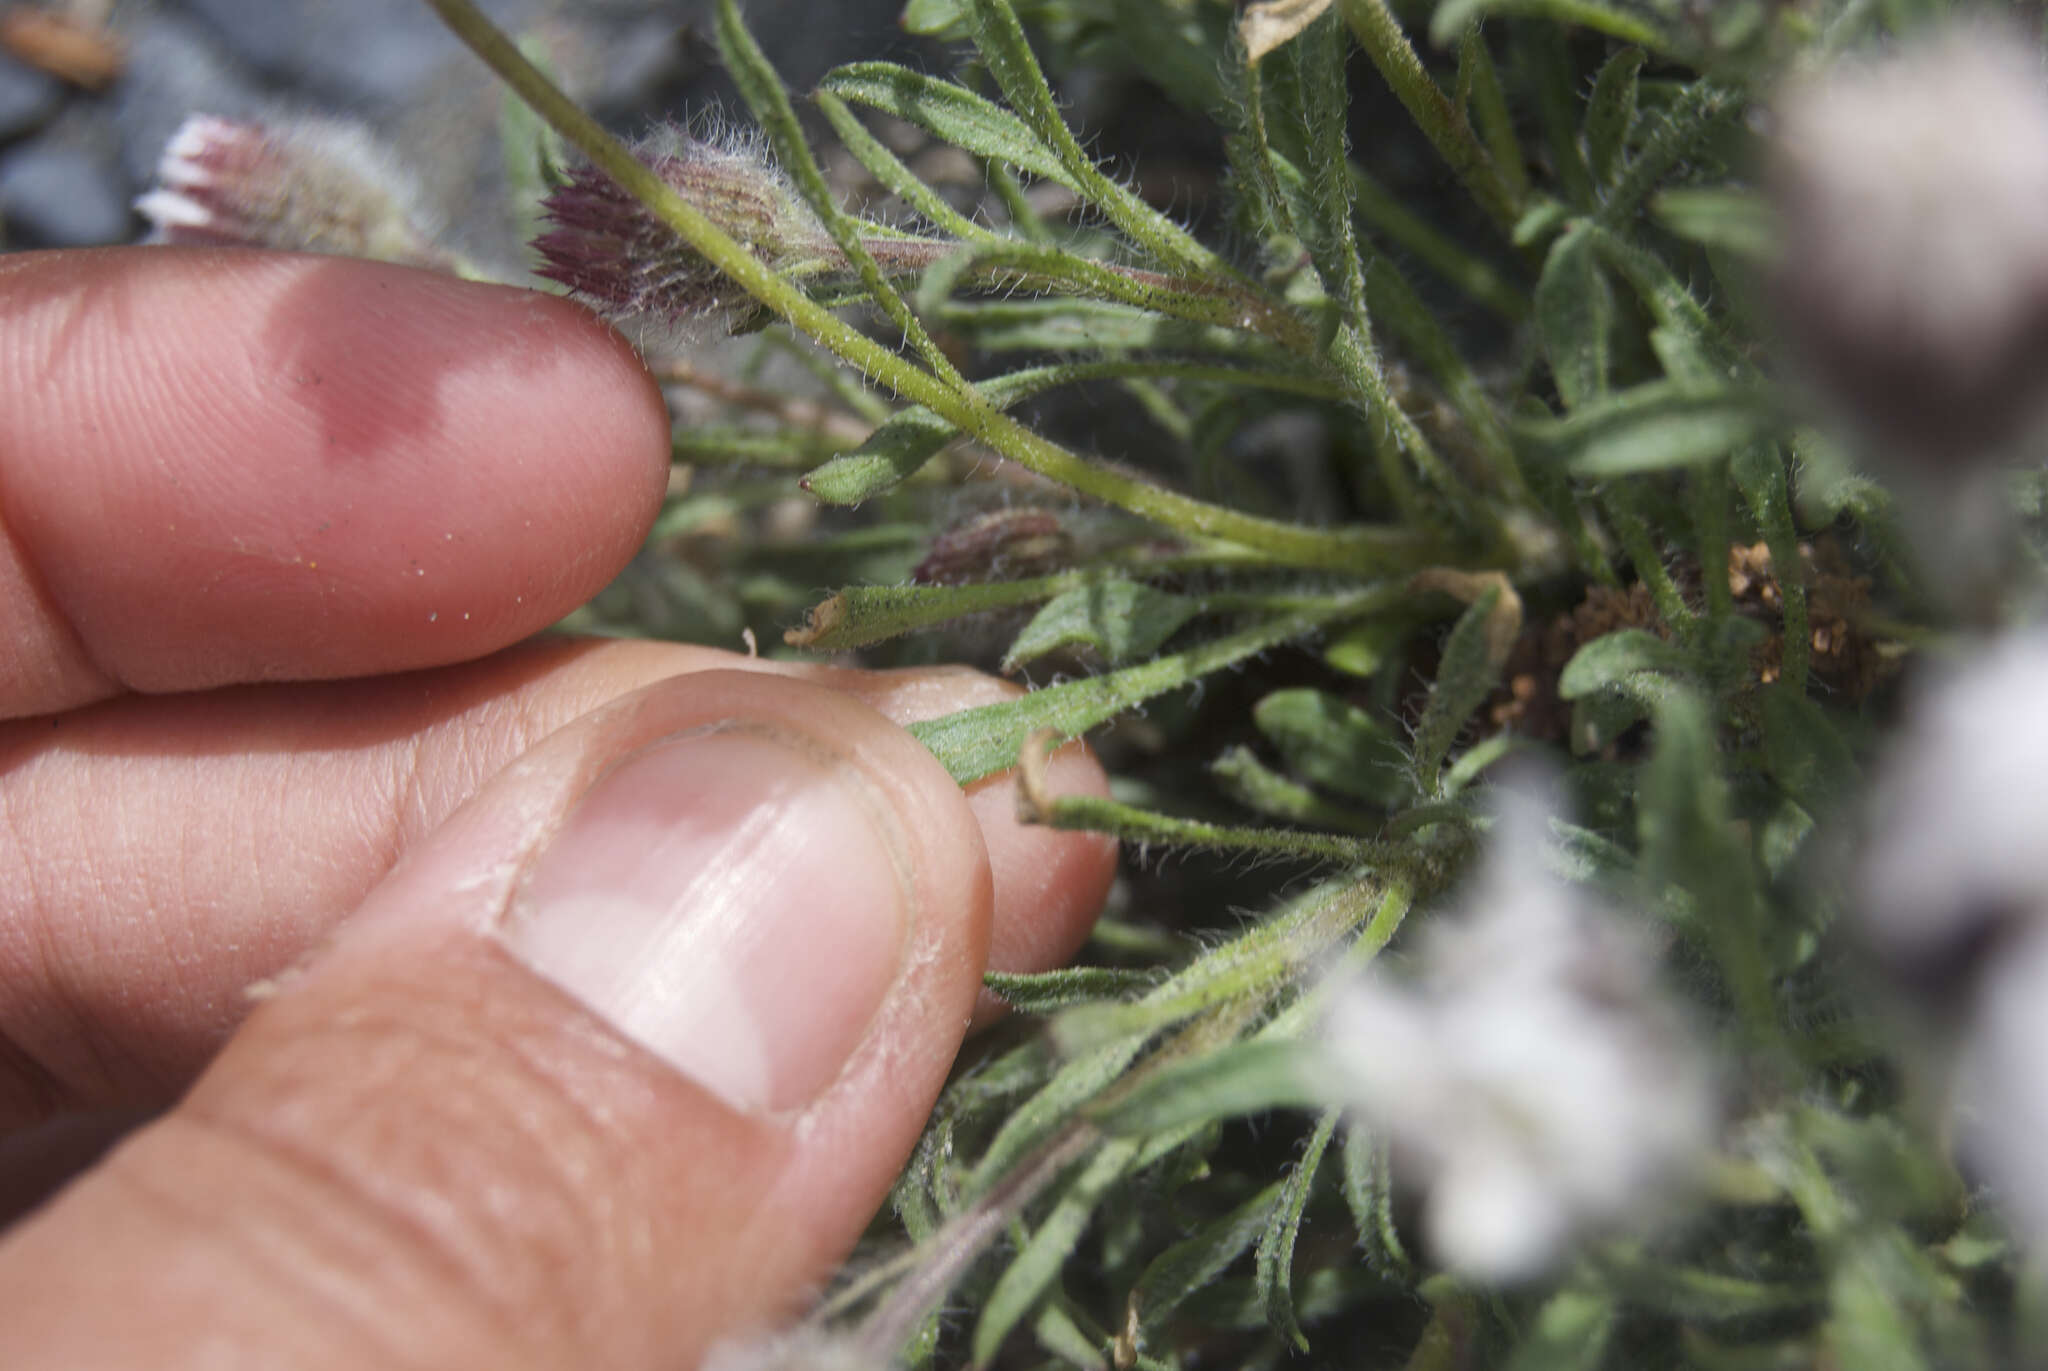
x=1533, y=492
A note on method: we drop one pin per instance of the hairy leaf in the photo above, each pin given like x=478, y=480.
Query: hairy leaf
x=1248, y=1077
x=974, y=743
x=1190, y=1265
x=1122, y=620
x=1037, y=1266
x=1575, y=316
x=1659, y=425
x=951, y=113
x=1283, y=1228
x=1333, y=743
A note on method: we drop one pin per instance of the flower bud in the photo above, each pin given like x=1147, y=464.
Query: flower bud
x=611, y=249
x=309, y=185
x=999, y=545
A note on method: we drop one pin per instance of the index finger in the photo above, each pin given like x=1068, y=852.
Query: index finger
x=221, y=466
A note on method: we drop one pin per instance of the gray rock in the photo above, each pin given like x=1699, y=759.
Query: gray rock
x=64, y=191
x=27, y=96
x=353, y=52
x=175, y=69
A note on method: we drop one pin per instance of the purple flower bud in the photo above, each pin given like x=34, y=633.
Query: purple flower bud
x=612, y=250
x=1001, y=545
x=308, y=185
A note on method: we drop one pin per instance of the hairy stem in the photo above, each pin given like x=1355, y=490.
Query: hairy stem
x=1339, y=549
x=1442, y=122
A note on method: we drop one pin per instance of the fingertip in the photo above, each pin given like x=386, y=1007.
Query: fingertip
x=226, y=465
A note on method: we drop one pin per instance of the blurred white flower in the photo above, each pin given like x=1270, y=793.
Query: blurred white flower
x=1534, y=1077
x=1915, y=272
x=1958, y=825
x=309, y=185
x=2001, y=1089
x=1952, y=897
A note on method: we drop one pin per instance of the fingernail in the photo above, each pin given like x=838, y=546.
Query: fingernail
x=730, y=901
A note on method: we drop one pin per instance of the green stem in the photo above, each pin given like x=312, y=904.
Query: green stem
x=1442, y=122
x=1000, y=38
x=1490, y=109
x=1340, y=549
x=1384, y=213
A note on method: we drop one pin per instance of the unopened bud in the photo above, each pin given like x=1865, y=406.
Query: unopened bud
x=1001, y=545
x=1915, y=275
x=309, y=185
x=611, y=249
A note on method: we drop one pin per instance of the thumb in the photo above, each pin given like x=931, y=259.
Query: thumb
x=621, y=1060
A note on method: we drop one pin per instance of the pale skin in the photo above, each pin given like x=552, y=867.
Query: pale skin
x=277, y=534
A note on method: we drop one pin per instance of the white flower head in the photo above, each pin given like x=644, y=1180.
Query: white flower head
x=302, y=184
x=1952, y=897
x=1533, y=1076
x=1915, y=273
x=2001, y=1083
x=1958, y=828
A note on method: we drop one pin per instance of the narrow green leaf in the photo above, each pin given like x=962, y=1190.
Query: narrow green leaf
x=1387, y=214
x=1250, y=1077
x=974, y=743
x=1670, y=136
x=889, y=169
x=934, y=19
x=950, y=113
x=1688, y=843
x=861, y=615
x=1691, y=1293
x=1759, y=473
x=1032, y=1271
x=892, y=454
x=1739, y=221
x=1128, y=823
x=1122, y=620
x=1302, y=103
x=1363, y=650
x=1570, y=1332
x=1674, y=308
x=1369, y=1192
x=1452, y=16
x=1611, y=113
x=999, y=37
x=1058, y=1334
x=1191, y=1264
x=1043, y=992
x=1331, y=742
x=1251, y=783
x=1283, y=1228
x=1249, y=965
x=1656, y=426
x=1467, y=674
x=1804, y=751
x=1575, y=319
x=903, y=443
x=1489, y=110
x=1394, y=303
x=1610, y=659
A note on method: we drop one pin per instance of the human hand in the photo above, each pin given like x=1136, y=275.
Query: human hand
x=613, y=981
